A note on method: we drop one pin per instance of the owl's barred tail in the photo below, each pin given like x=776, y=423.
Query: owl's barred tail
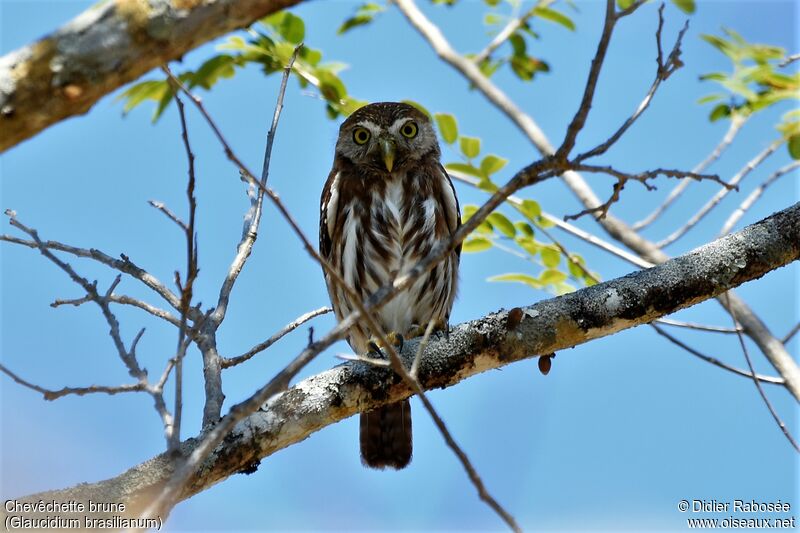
x=386, y=436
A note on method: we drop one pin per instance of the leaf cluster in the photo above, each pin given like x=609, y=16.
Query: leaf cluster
x=269, y=44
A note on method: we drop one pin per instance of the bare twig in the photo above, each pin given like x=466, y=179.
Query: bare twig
x=186, y=287
x=579, y=120
x=228, y=362
x=567, y=227
x=124, y=265
x=758, y=384
x=754, y=196
x=722, y=193
x=50, y=394
x=127, y=355
x=169, y=214
x=792, y=332
x=423, y=343
x=736, y=123
x=663, y=71
x=692, y=325
x=714, y=361
x=124, y=300
x=601, y=211
x=789, y=60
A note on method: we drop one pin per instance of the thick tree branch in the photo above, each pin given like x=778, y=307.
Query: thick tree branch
x=65, y=73
x=471, y=348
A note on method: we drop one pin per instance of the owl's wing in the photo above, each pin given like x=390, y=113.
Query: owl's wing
x=450, y=202
x=328, y=206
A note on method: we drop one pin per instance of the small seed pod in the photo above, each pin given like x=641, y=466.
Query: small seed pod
x=545, y=363
x=513, y=319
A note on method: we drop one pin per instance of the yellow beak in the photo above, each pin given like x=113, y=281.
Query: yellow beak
x=388, y=150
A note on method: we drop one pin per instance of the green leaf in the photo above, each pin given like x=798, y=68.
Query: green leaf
x=476, y=244
x=354, y=22
x=464, y=168
x=794, y=146
x=531, y=209
x=528, y=244
x=470, y=146
x=487, y=185
x=467, y=211
x=221, y=66
x=330, y=86
x=555, y=16
x=490, y=19
x=524, y=228
x=720, y=111
x=687, y=6
x=723, y=45
x=574, y=269
x=710, y=98
x=520, y=278
x=624, y=4
x=552, y=276
x=289, y=26
x=492, y=163
x=518, y=45
x=448, y=127
x=139, y=92
x=563, y=288
x=502, y=224
x=550, y=257
x=419, y=107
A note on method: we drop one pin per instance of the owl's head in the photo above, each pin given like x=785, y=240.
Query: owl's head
x=387, y=136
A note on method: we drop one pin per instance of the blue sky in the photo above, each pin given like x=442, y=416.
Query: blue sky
x=613, y=438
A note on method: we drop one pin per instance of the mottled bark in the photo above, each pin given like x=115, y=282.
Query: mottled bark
x=110, y=44
x=472, y=347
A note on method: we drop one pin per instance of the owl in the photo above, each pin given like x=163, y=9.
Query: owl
x=387, y=202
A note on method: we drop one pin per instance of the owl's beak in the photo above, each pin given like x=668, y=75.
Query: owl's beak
x=388, y=151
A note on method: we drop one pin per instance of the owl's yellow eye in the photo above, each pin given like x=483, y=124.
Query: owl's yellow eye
x=361, y=135
x=409, y=129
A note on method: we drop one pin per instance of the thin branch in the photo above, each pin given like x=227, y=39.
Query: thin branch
x=124, y=300
x=754, y=196
x=792, y=332
x=758, y=386
x=663, y=71
x=601, y=211
x=228, y=362
x=191, y=275
x=508, y=30
x=169, y=214
x=692, y=325
x=124, y=265
x=579, y=120
x=566, y=226
x=737, y=121
x=789, y=60
x=721, y=194
x=423, y=343
x=50, y=394
x=714, y=361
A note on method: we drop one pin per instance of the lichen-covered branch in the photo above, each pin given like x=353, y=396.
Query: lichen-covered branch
x=471, y=348
x=65, y=73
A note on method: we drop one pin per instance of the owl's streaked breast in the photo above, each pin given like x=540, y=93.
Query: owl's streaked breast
x=384, y=231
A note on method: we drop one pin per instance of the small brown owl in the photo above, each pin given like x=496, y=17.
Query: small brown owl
x=386, y=203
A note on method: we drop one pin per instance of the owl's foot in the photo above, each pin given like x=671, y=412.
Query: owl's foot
x=418, y=330
x=376, y=346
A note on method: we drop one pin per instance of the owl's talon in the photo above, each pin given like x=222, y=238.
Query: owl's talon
x=375, y=350
x=399, y=342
